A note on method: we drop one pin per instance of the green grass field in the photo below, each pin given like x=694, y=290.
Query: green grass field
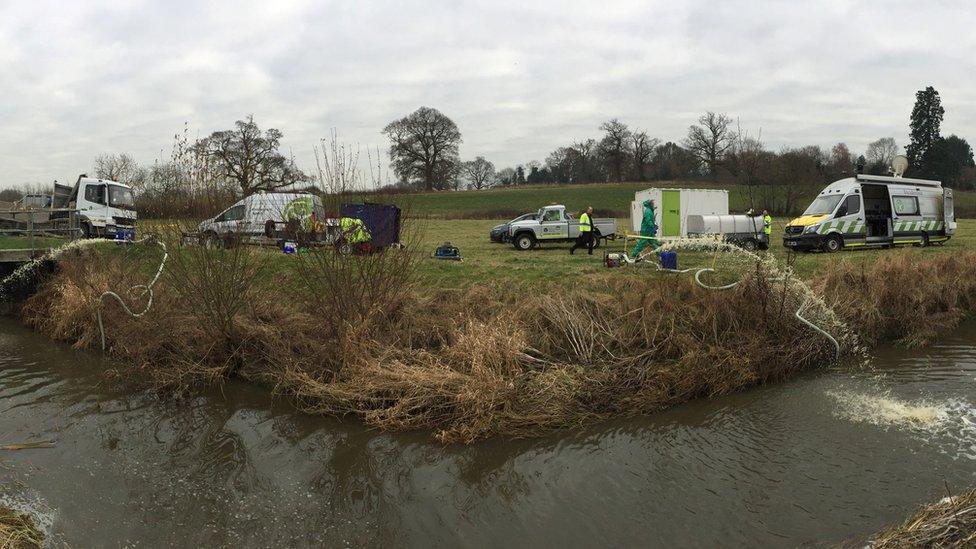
x=23, y=242
x=508, y=202
x=489, y=263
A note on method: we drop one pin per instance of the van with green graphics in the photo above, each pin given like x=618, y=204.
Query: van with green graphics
x=874, y=211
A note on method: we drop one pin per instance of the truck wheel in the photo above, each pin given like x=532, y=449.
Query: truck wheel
x=86, y=230
x=834, y=243
x=596, y=239
x=524, y=241
x=749, y=245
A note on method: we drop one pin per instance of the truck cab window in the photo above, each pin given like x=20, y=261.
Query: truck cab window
x=95, y=194
x=551, y=215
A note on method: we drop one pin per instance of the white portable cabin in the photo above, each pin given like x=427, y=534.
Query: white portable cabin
x=673, y=206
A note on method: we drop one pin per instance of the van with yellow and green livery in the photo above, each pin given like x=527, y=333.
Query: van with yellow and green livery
x=874, y=211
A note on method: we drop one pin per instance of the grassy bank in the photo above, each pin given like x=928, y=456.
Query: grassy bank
x=548, y=266
x=609, y=198
x=504, y=343
x=948, y=523
x=18, y=531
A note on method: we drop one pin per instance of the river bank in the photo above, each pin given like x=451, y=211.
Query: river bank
x=950, y=522
x=832, y=454
x=483, y=361
x=18, y=531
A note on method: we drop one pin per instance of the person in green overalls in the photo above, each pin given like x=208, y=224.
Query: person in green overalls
x=648, y=229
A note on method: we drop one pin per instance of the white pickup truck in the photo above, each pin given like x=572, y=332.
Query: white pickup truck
x=553, y=224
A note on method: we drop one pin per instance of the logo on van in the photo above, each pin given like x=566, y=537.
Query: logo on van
x=300, y=208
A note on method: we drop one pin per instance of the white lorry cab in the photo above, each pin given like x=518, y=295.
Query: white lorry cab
x=265, y=214
x=874, y=211
x=104, y=207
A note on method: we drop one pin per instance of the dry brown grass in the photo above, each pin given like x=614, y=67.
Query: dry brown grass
x=18, y=531
x=470, y=364
x=466, y=364
x=949, y=523
x=909, y=298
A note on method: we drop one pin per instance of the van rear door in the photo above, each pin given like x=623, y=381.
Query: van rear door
x=948, y=212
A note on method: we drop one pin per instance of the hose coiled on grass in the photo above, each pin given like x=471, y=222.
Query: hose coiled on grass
x=145, y=289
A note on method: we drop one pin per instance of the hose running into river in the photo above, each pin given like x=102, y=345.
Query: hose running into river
x=143, y=288
x=724, y=246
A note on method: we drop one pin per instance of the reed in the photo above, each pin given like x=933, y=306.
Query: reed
x=18, y=530
x=948, y=523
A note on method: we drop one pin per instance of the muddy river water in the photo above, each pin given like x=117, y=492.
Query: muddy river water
x=827, y=457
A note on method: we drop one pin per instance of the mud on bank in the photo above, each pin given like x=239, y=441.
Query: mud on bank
x=474, y=363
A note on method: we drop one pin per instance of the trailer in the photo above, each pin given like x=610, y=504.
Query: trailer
x=745, y=231
x=673, y=206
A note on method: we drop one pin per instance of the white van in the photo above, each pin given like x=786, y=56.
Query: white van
x=874, y=211
x=264, y=213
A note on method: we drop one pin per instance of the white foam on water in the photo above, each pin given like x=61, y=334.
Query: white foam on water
x=885, y=410
x=950, y=424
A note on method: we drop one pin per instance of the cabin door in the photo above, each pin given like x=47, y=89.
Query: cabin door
x=670, y=213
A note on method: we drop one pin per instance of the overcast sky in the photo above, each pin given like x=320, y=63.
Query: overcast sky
x=80, y=78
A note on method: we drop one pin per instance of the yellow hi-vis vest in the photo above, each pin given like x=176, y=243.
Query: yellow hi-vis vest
x=767, y=224
x=585, y=224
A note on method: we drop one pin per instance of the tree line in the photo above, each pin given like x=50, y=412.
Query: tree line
x=423, y=152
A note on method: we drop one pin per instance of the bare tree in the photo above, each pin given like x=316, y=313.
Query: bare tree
x=480, y=172
x=880, y=153
x=841, y=160
x=249, y=159
x=642, y=146
x=582, y=155
x=115, y=167
x=337, y=166
x=424, y=147
x=711, y=139
x=615, y=148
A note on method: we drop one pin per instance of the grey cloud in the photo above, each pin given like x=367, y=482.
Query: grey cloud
x=81, y=78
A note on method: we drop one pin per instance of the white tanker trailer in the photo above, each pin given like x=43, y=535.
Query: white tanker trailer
x=745, y=231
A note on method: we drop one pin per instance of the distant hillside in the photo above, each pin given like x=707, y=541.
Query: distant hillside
x=606, y=199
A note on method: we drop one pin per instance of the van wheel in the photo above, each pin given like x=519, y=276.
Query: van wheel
x=925, y=241
x=834, y=243
x=524, y=242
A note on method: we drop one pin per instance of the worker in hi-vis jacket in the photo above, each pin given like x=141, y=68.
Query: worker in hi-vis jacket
x=585, y=238
x=648, y=230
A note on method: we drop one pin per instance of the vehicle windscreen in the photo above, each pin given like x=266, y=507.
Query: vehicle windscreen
x=120, y=197
x=823, y=205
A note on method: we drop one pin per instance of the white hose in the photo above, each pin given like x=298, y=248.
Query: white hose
x=820, y=330
x=145, y=289
x=798, y=314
